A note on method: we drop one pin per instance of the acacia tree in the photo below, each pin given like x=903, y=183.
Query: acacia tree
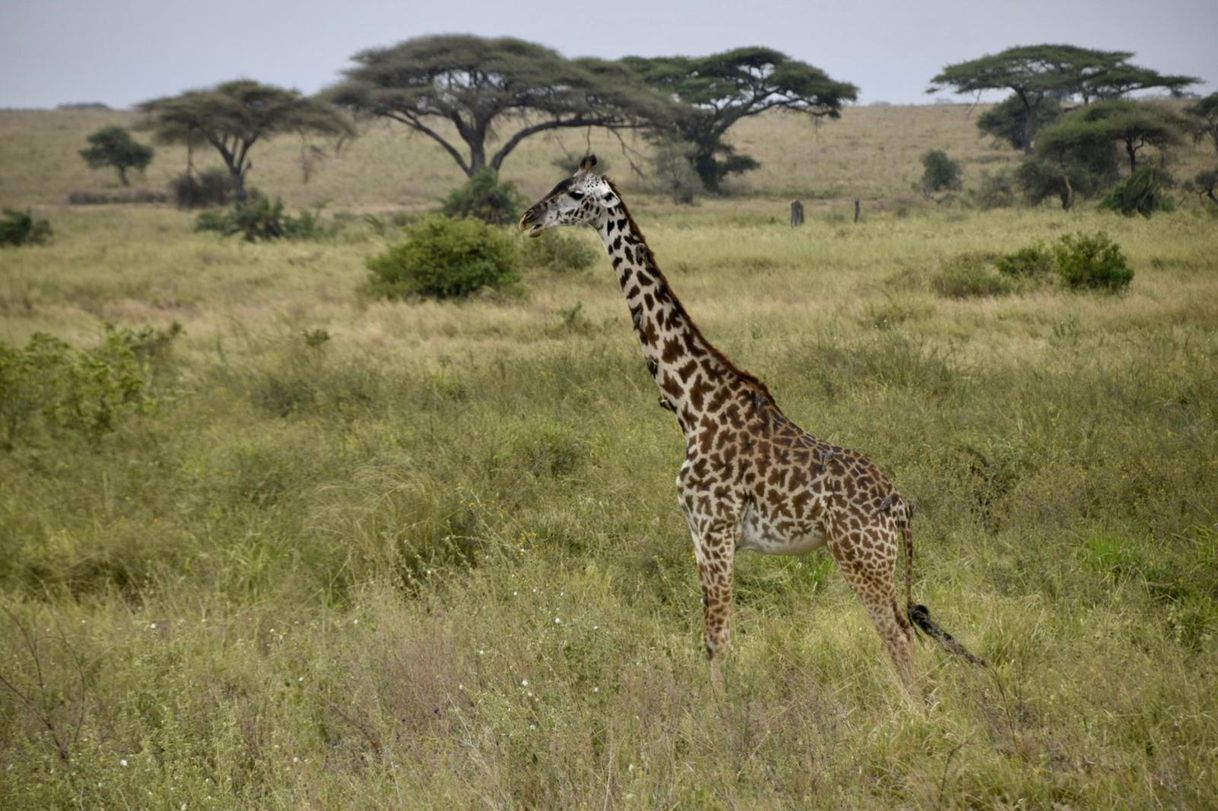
x=1204, y=118
x=1035, y=73
x=1126, y=123
x=114, y=147
x=485, y=88
x=1007, y=120
x=234, y=116
x=720, y=89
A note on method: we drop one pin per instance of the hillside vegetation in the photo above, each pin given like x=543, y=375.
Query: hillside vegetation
x=307, y=549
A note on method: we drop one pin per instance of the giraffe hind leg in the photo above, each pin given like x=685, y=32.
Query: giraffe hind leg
x=869, y=569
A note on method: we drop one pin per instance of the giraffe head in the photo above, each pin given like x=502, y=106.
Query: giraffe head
x=578, y=200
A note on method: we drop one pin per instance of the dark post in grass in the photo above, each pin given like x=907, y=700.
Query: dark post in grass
x=797, y=213
x=858, y=209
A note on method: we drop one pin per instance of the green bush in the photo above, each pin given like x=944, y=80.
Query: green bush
x=1143, y=192
x=1092, y=262
x=20, y=228
x=996, y=190
x=445, y=258
x=212, y=187
x=557, y=252
x=52, y=386
x=258, y=218
x=1035, y=261
x=970, y=276
x=485, y=198
x=1206, y=182
x=939, y=172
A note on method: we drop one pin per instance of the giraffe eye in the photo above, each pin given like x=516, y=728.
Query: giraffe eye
x=576, y=195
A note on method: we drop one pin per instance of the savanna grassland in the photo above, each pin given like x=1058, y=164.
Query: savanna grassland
x=334, y=552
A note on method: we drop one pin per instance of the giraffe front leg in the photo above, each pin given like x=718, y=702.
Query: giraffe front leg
x=714, y=550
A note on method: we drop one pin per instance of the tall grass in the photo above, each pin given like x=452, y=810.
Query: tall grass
x=437, y=559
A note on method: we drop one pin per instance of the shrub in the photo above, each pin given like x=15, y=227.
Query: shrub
x=211, y=187
x=1206, y=182
x=557, y=252
x=258, y=218
x=444, y=258
x=1143, y=192
x=996, y=190
x=970, y=276
x=20, y=228
x=675, y=174
x=939, y=172
x=485, y=198
x=1092, y=262
x=83, y=197
x=51, y=385
x=1032, y=262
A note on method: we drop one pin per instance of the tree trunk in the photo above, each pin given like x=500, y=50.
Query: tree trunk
x=477, y=157
x=122, y=175
x=1133, y=156
x=797, y=213
x=238, y=177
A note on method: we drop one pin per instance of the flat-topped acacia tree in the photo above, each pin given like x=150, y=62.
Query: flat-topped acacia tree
x=465, y=92
x=233, y=116
x=718, y=90
x=1036, y=73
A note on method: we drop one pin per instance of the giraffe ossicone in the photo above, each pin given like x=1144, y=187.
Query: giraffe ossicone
x=751, y=479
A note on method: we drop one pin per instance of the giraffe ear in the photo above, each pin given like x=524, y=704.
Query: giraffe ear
x=587, y=164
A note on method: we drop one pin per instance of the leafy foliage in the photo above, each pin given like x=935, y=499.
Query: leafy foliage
x=970, y=276
x=48, y=385
x=1144, y=192
x=720, y=89
x=1009, y=120
x=1092, y=262
x=258, y=218
x=233, y=116
x=1129, y=124
x=445, y=258
x=1032, y=262
x=557, y=251
x=481, y=85
x=674, y=174
x=211, y=187
x=21, y=228
x=1203, y=115
x=115, y=148
x=1035, y=74
x=939, y=172
x=486, y=198
x=996, y=190
x=1206, y=182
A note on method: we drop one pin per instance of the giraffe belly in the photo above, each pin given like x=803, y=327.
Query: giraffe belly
x=758, y=533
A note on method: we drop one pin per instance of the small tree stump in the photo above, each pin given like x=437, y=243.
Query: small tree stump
x=858, y=209
x=797, y=213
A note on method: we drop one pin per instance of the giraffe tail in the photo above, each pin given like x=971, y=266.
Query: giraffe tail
x=919, y=615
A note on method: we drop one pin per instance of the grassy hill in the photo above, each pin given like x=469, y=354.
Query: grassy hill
x=322, y=551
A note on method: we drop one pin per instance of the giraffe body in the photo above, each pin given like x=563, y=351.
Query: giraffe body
x=752, y=480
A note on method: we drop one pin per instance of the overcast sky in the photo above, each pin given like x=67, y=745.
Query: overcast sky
x=124, y=51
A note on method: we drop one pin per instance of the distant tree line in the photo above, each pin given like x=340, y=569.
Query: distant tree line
x=1070, y=112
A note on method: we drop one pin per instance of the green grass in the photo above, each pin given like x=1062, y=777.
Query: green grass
x=436, y=560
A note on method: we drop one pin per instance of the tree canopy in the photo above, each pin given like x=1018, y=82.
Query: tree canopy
x=234, y=116
x=1034, y=73
x=114, y=147
x=1007, y=120
x=1126, y=123
x=1204, y=118
x=492, y=89
x=720, y=89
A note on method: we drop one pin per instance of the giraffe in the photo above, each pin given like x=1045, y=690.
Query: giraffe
x=752, y=480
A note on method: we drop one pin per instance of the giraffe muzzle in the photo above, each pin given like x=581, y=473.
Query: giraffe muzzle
x=529, y=224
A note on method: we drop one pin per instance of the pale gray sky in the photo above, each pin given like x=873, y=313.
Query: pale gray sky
x=124, y=51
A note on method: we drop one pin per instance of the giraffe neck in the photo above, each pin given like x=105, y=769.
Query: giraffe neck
x=695, y=379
